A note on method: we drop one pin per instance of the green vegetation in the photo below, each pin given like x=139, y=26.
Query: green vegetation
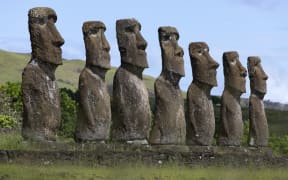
x=7, y=121
x=12, y=141
x=54, y=172
x=12, y=65
x=10, y=105
x=68, y=112
x=279, y=144
x=11, y=108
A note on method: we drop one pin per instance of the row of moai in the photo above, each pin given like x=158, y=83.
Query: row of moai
x=130, y=120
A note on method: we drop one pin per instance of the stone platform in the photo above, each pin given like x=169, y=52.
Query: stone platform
x=117, y=154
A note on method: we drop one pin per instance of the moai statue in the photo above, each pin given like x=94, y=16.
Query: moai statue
x=131, y=110
x=169, y=120
x=41, y=105
x=94, y=114
x=258, y=126
x=231, y=124
x=200, y=116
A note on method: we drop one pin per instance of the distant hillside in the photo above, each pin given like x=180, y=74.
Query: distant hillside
x=12, y=65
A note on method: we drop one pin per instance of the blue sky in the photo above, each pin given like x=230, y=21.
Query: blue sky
x=251, y=27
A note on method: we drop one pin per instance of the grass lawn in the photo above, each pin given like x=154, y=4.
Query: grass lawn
x=20, y=171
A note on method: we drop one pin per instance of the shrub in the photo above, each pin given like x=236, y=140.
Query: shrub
x=10, y=105
x=7, y=121
x=12, y=91
x=279, y=144
x=245, y=133
x=68, y=112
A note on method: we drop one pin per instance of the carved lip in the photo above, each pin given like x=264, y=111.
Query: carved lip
x=213, y=72
x=141, y=52
x=141, y=47
x=58, y=50
x=179, y=58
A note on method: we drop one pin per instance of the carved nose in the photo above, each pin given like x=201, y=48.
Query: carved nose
x=59, y=42
x=106, y=45
x=141, y=42
x=265, y=77
x=179, y=52
x=243, y=72
x=57, y=39
x=215, y=64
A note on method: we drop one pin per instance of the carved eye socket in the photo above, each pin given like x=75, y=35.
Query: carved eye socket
x=167, y=37
x=93, y=31
x=130, y=29
x=43, y=20
x=174, y=37
x=200, y=52
x=234, y=60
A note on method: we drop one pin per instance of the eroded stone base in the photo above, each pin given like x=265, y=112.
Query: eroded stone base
x=117, y=154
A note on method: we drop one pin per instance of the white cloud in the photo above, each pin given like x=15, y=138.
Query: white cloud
x=277, y=85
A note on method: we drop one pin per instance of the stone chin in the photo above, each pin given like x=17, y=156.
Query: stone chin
x=260, y=86
x=210, y=83
x=103, y=62
x=208, y=79
x=139, y=61
x=238, y=84
x=48, y=56
x=261, y=91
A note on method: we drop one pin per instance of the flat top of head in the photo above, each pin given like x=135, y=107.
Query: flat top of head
x=253, y=60
x=41, y=12
x=230, y=55
x=92, y=25
x=123, y=24
x=195, y=46
x=167, y=31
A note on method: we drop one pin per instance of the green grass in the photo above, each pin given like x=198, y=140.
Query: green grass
x=12, y=65
x=11, y=141
x=54, y=172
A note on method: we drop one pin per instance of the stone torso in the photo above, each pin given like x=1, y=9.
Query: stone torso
x=259, y=133
x=131, y=109
x=41, y=105
x=94, y=116
x=169, y=120
x=231, y=123
x=200, y=119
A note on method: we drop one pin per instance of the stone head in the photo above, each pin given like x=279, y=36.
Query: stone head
x=172, y=53
x=46, y=41
x=204, y=67
x=234, y=72
x=257, y=76
x=131, y=44
x=96, y=45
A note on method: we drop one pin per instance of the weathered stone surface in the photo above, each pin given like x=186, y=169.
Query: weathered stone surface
x=200, y=116
x=41, y=106
x=258, y=126
x=169, y=120
x=120, y=154
x=131, y=110
x=231, y=123
x=94, y=113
